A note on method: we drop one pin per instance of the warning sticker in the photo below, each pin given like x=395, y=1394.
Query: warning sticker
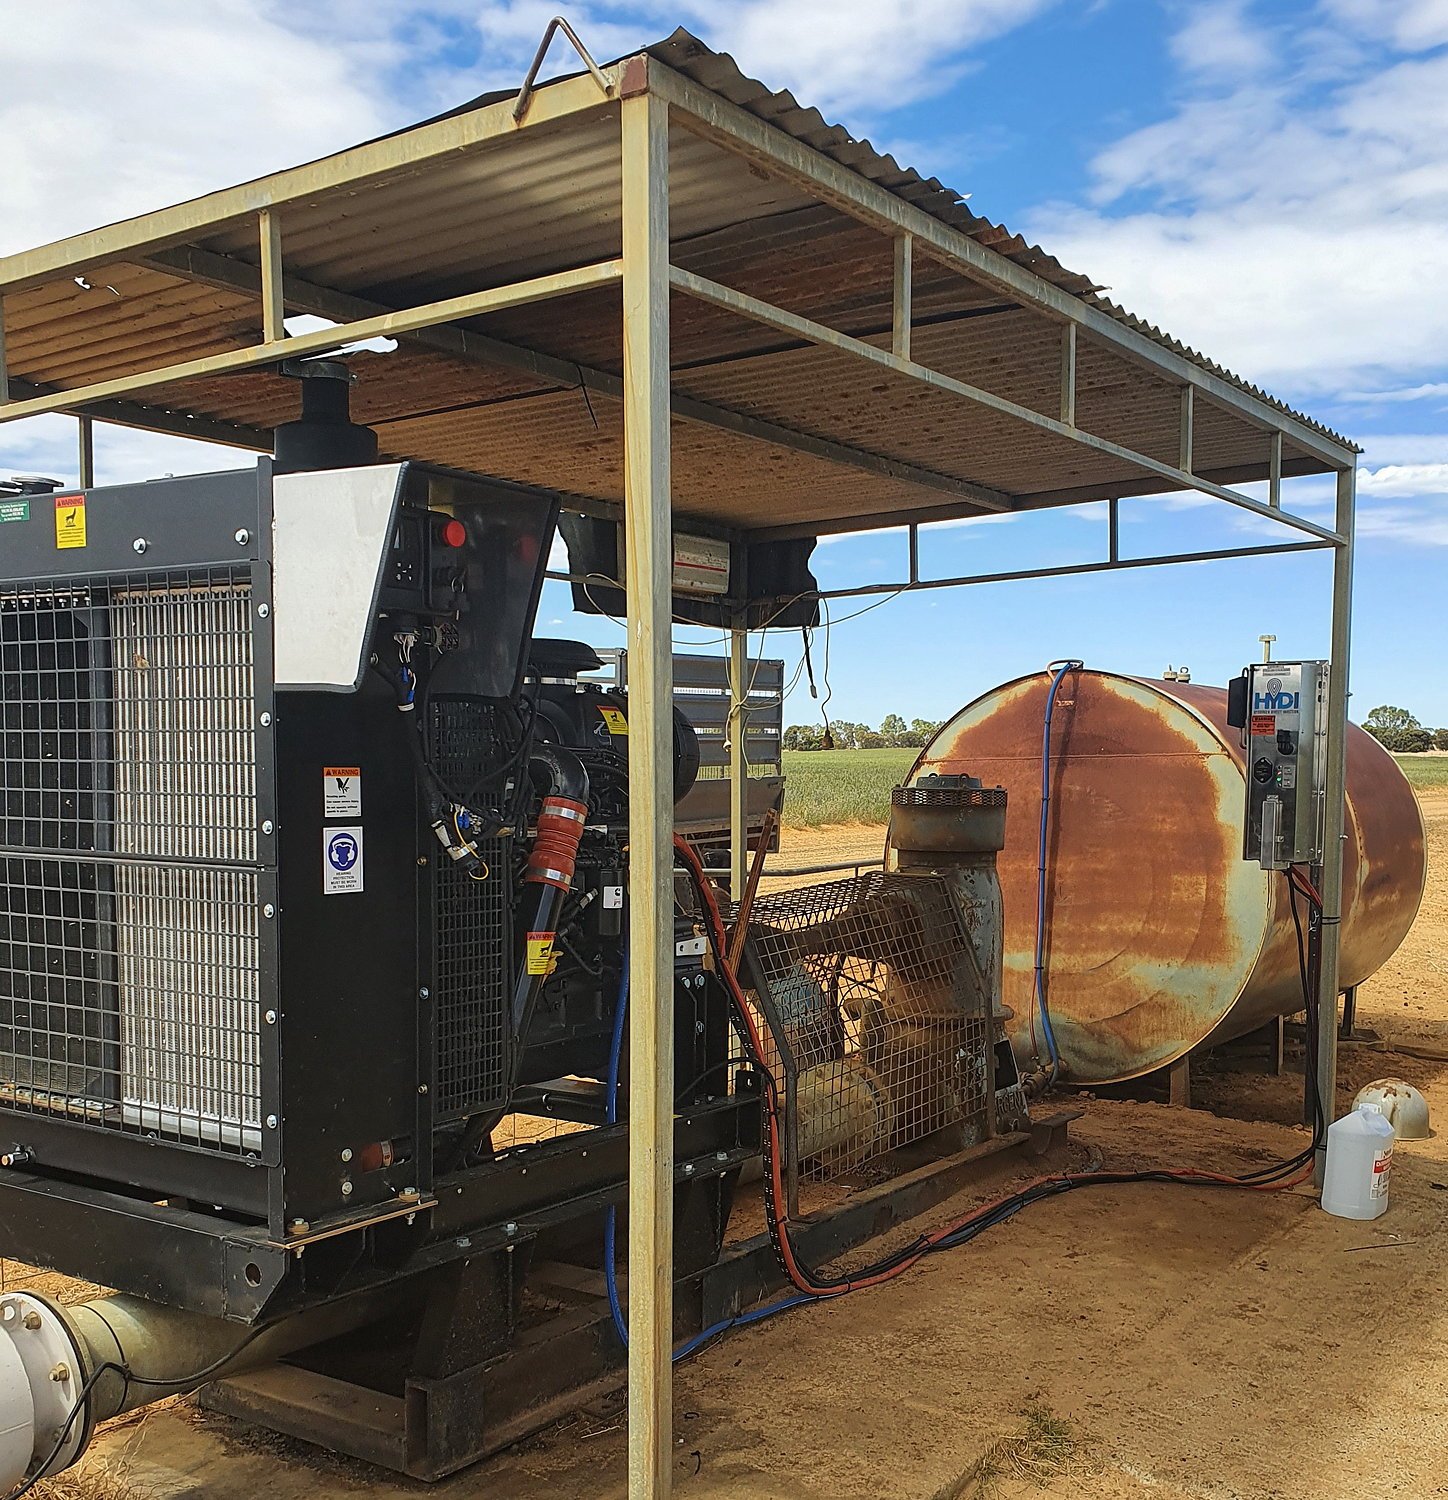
x=1382, y=1168
x=69, y=521
x=615, y=720
x=14, y=510
x=1264, y=723
x=540, y=952
x=342, y=792
x=341, y=861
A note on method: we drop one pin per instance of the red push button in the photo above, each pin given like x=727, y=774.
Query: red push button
x=454, y=534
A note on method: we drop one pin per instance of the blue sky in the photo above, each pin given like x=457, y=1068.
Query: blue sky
x=1268, y=181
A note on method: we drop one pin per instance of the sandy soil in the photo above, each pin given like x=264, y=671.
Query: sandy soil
x=1207, y=1344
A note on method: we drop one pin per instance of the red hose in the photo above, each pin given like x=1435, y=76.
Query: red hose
x=798, y=1274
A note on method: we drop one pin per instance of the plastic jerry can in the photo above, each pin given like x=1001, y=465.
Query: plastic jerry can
x=1359, y=1160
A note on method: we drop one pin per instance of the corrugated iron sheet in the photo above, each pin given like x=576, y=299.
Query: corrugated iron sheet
x=547, y=198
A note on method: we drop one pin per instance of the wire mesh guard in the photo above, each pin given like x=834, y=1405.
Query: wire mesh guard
x=878, y=1018
x=129, y=965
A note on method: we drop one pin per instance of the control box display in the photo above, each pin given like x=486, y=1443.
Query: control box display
x=1285, y=737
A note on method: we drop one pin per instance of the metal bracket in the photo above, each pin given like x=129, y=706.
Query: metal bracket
x=557, y=24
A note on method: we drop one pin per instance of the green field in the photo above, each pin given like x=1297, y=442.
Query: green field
x=1424, y=770
x=841, y=786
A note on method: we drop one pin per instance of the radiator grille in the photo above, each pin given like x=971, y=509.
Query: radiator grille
x=472, y=935
x=129, y=966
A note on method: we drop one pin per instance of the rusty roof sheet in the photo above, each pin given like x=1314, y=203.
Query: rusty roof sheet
x=718, y=71
x=547, y=198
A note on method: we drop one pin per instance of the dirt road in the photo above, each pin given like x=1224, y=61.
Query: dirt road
x=1203, y=1344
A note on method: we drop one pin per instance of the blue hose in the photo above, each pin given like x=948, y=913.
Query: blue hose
x=1039, y=993
x=610, y=1221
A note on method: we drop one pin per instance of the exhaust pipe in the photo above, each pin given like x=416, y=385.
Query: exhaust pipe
x=64, y=1369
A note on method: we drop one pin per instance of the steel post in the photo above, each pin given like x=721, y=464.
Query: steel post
x=1329, y=929
x=651, y=801
x=273, y=306
x=86, y=451
x=738, y=758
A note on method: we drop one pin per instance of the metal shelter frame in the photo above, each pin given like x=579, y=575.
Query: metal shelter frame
x=640, y=98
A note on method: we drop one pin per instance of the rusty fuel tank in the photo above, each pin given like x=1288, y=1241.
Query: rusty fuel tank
x=1160, y=937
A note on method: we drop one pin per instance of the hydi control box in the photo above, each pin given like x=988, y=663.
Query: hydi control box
x=1284, y=731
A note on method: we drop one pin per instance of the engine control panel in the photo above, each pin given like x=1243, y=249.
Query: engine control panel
x=1284, y=732
x=426, y=565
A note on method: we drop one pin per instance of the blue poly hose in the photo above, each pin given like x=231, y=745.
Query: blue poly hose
x=610, y=1221
x=1038, y=997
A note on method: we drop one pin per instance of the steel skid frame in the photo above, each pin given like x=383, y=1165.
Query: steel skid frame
x=644, y=97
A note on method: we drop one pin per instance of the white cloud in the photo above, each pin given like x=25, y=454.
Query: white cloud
x=850, y=57
x=1405, y=525
x=1404, y=479
x=111, y=110
x=1293, y=225
x=1218, y=39
x=1431, y=390
x=1411, y=24
x=1405, y=448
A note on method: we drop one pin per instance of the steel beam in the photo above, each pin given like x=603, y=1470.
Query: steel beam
x=1274, y=473
x=159, y=419
x=407, y=152
x=649, y=574
x=1187, y=436
x=776, y=317
x=1330, y=874
x=1139, y=487
x=735, y=129
x=537, y=289
x=1072, y=568
x=210, y=269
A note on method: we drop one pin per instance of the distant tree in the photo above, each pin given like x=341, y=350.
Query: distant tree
x=1440, y=739
x=893, y=729
x=1415, y=741
x=921, y=732
x=869, y=739
x=803, y=737
x=1396, y=729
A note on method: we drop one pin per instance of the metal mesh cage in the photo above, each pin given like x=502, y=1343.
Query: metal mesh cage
x=472, y=928
x=878, y=1020
x=129, y=964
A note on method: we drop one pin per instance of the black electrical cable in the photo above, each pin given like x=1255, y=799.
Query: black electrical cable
x=63, y=1436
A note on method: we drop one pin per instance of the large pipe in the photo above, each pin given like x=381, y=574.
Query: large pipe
x=125, y=1352
x=1160, y=936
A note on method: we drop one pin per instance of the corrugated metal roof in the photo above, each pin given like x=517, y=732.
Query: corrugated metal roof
x=547, y=198
x=718, y=71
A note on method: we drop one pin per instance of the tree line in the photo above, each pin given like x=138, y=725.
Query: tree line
x=1396, y=729
x=841, y=734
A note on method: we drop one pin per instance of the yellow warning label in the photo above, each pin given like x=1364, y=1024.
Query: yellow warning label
x=70, y=521
x=540, y=953
x=615, y=720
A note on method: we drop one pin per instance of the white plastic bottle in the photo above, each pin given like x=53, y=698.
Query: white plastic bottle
x=1359, y=1160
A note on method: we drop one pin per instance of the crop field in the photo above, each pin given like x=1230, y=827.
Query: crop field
x=1424, y=770
x=824, y=787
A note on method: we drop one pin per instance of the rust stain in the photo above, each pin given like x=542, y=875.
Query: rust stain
x=1160, y=936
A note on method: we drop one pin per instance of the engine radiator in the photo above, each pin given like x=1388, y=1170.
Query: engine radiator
x=129, y=965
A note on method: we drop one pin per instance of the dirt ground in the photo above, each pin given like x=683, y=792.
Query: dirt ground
x=1163, y=1341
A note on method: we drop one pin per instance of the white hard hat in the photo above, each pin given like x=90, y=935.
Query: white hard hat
x=1401, y=1103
